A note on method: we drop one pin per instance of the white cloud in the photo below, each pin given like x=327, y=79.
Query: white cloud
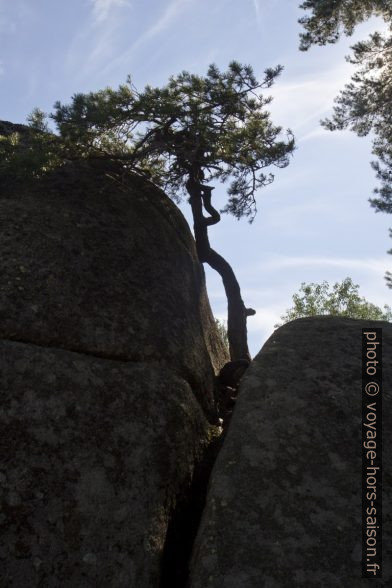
x=265, y=318
x=103, y=8
x=1, y=68
x=301, y=104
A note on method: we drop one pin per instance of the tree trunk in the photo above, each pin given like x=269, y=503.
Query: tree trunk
x=236, y=311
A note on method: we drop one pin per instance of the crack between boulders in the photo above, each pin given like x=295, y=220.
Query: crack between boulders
x=123, y=359
x=48, y=345
x=185, y=521
x=186, y=517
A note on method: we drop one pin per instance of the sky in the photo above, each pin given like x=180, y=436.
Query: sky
x=314, y=222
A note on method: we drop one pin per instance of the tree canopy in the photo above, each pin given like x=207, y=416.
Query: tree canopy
x=341, y=299
x=328, y=19
x=364, y=105
x=217, y=124
x=193, y=131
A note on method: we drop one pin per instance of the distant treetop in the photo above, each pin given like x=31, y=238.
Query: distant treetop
x=342, y=299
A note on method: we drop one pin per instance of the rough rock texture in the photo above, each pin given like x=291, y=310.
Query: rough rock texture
x=7, y=128
x=94, y=453
x=284, y=503
x=108, y=350
x=109, y=269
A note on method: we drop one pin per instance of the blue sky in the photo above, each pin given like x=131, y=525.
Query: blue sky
x=314, y=222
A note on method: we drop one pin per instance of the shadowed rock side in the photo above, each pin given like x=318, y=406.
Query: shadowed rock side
x=94, y=454
x=109, y=269
x=108, y=354
x=284, y=502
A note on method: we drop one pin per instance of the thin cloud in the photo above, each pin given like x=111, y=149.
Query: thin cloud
x=97, y=38
x=256, y=6
x=300, y=105
x=375, y=265
x=103, y=8
x=325, y=134
x=165, y=20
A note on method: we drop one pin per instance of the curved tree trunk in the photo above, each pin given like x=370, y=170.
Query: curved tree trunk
x=237, y=312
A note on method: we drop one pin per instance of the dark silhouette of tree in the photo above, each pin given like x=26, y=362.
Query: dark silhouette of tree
x=183, y=136
x=364, y=105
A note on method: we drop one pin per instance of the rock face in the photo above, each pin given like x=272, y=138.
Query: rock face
x=94, y=453
x=107, y=356
x=284, y=502
x=107, y=269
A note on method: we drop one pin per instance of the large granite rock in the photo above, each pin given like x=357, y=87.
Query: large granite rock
x=97, y=266
x=108, y=354
x=93, y=456
x=284, y=503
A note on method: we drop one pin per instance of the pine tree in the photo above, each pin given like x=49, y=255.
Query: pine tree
x=364, y=105
x=183, y=136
